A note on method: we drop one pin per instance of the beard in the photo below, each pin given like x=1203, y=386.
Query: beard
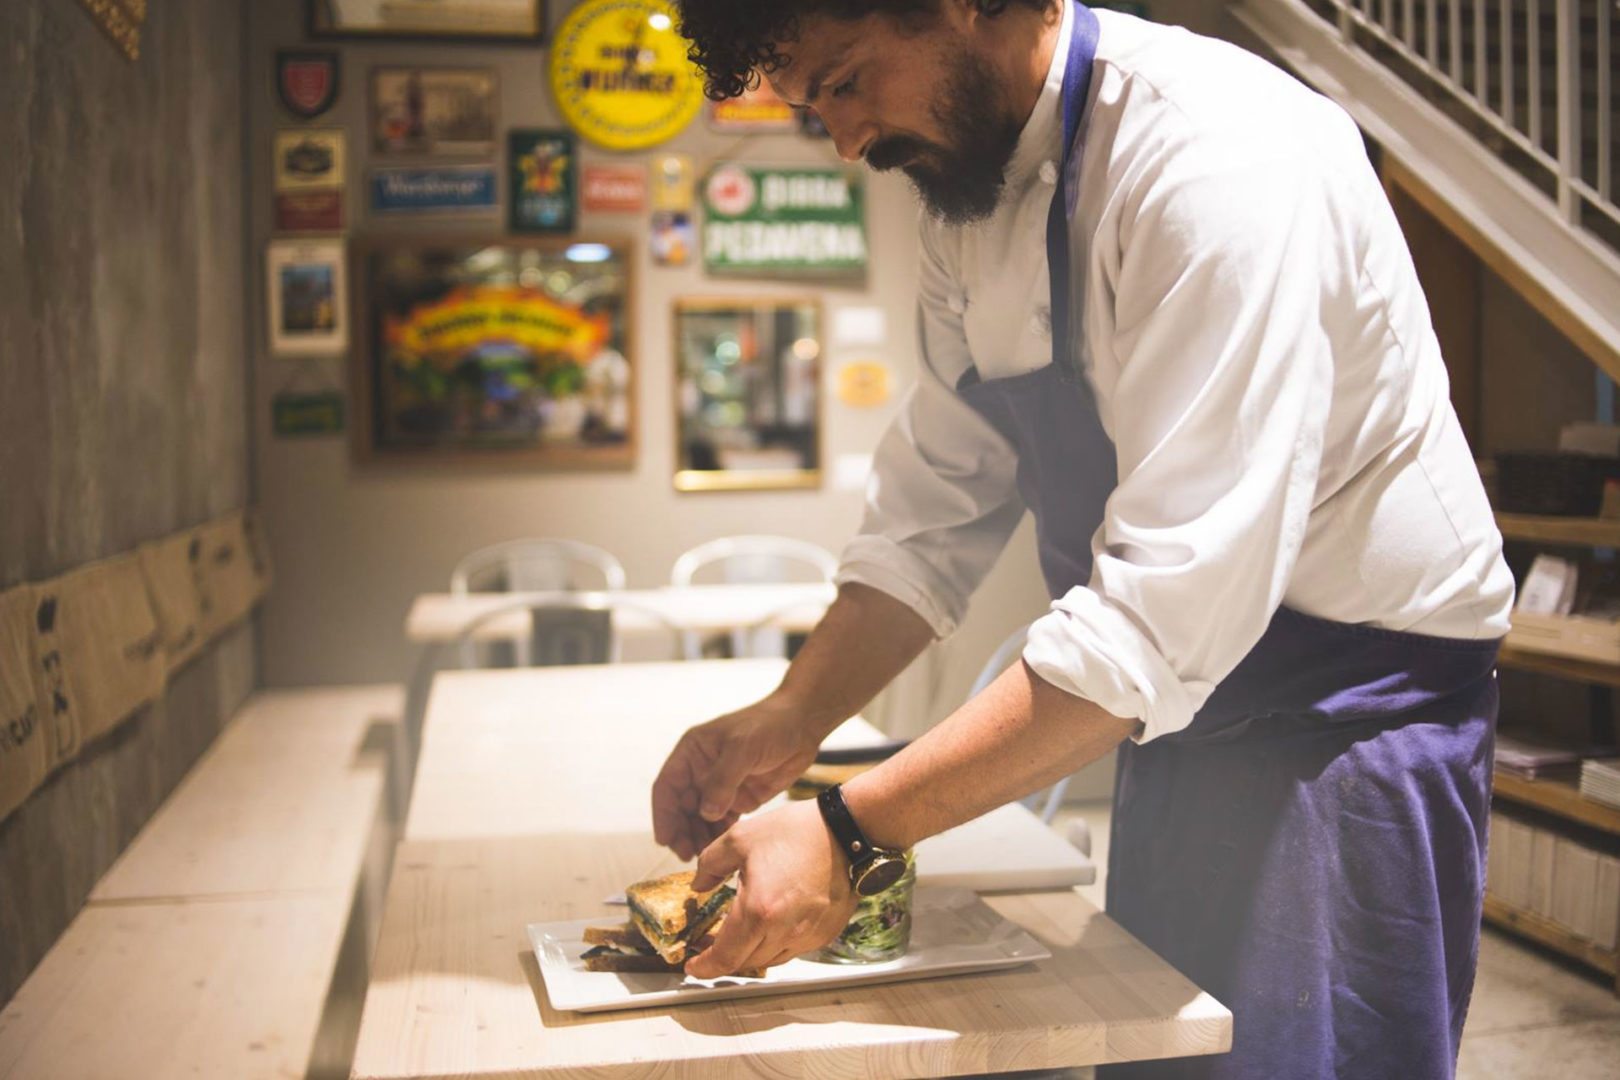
x=959, y=183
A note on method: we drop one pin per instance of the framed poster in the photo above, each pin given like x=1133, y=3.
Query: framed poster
x=748, y=405
x=513, y=351
x=443, y=111
x=452, y=189
x=308, y=302
x=797, y=222
x=309, y=180
x=543, y=177
x=437, y=20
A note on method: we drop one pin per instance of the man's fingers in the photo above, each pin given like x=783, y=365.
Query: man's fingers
x=724, y=778
x=739, y=937
x=718, y=862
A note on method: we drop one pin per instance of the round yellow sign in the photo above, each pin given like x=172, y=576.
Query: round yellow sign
x=620, y=73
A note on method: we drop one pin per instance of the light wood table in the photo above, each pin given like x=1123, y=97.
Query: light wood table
x=455, y=990
x=441, y=617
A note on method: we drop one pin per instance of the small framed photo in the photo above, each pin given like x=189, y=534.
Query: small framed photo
x=471, y=21
x=308, y=297
x=437, y=111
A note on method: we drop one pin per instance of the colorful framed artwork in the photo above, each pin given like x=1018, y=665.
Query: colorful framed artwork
x=488, y=350
x=308, y=304
x=433, y=111
x=471, y=21
x=543, y=178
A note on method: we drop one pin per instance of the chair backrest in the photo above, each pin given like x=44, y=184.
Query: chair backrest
x=535, y=566
x=755, y=560
x=1005, y=654
x=556, y=632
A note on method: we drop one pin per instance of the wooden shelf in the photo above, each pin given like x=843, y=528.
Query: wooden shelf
x=1546, y=932
x=1584, y=532
x=1558, y=797
x=1590, y=671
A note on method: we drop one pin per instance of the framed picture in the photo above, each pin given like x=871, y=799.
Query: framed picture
x=542, y=176
x=444, y=111
x=308, y=302
x=748, y=393
x=437, y=20
x=512, y=351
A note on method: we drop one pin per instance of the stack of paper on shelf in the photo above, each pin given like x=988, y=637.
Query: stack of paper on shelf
x=1562, y=880
x=1600, y=780
x=1533, y=760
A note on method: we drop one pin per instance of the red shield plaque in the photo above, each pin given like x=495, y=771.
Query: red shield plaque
x=307, y=82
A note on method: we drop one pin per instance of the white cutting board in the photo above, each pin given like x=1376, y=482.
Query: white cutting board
x=1008, y=849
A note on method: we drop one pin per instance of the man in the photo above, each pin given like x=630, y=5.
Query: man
x=1165, y=306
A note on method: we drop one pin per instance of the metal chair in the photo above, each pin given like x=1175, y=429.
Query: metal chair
x=539, y=565
x=753, y=560
x=571, y=631
x=999, y=661
x=536, y=566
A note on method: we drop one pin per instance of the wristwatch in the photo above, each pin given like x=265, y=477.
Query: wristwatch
x=871, y=869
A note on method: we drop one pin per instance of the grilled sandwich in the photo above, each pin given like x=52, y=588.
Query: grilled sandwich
x=672, y=917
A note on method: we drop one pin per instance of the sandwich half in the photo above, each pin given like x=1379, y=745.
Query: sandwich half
x=673, y=918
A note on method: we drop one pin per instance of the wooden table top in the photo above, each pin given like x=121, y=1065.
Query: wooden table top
x=441, y=617
x=490, y=765
x=455, y=990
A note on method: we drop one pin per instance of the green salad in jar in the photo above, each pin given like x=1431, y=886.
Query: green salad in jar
x=880, y=929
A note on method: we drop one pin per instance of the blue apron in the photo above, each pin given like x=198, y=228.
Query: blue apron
x=1311, y=849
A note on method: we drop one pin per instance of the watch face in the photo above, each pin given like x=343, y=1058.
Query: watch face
x=884, y=871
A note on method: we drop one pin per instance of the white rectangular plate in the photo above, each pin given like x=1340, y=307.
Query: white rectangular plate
x=952, y=931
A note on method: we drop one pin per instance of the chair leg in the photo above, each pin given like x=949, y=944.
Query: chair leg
x=1054, y=799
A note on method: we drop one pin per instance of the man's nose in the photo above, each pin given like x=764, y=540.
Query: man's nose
x=850, y=139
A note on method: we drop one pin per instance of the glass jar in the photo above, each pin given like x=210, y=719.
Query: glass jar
x=880, y=929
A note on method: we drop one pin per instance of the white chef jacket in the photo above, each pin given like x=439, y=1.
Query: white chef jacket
x=1247, y=313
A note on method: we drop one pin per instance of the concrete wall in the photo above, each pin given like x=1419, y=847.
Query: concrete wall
x=354, y=546
x=122, y=389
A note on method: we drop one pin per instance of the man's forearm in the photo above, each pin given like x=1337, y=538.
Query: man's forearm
x=1020, y=735
x=865, y=640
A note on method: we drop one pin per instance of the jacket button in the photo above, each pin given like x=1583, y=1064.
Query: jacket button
x=1049, y=172
x=957, y=302
x=1041, y=321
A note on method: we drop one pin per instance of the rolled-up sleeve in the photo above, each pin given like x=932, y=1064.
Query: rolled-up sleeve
x=942, y=499
x=1222, y=346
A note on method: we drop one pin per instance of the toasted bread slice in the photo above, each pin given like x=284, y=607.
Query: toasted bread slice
x=624, y=938
x=670, y=915
x=668, y=903
x=607, y=958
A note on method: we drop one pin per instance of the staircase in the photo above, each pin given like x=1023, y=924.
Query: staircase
x=1504, y=109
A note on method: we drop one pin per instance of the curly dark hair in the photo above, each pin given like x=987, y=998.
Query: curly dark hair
x=734, y=40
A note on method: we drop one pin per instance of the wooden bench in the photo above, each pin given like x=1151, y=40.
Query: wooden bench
x=233, y=937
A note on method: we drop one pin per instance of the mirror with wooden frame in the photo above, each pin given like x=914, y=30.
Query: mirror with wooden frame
x=748, y=393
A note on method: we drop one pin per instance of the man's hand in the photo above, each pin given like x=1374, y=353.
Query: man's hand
x=727, y=767
x=794, y=894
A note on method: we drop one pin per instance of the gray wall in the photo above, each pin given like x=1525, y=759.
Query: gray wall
x=122, y=389
x=353, y=546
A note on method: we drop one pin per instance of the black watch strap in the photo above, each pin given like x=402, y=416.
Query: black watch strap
x=842, y=825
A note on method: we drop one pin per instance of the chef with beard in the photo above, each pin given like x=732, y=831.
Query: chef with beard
x=1165, y=307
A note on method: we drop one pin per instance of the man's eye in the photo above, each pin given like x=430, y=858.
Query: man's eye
x=845, y=88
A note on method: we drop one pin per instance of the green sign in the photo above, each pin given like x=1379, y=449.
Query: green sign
x=308, y=414
x=795, y=221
